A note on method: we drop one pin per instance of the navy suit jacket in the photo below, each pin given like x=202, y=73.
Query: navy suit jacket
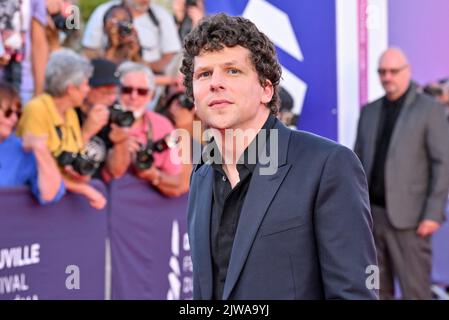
x=304, y=232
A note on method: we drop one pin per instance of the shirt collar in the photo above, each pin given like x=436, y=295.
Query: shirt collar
x=244, y=160
x=51, y=109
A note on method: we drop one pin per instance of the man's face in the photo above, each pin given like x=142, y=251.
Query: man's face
x=227, y=90
x=77, y=94
x=135, y=92
x=103, y=95
x=395, y=74
x=8, y=117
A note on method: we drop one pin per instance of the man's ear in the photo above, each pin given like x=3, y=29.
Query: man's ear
x=69, y=89
x=268, y=91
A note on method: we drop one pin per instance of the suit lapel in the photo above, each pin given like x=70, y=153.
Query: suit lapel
x=201, y=213
x=261, y=191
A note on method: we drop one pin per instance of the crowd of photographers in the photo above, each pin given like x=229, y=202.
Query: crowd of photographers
x=75, y=109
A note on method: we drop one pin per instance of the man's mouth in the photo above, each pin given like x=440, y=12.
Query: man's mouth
x=219, y=103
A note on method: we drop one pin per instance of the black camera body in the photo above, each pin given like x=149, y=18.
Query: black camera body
x=144, y=157
x=120, y=117
x=185, y=101
x=12, y=72
x=434, y=91
x=124, y=28
x=81, y=163
x=60, y=22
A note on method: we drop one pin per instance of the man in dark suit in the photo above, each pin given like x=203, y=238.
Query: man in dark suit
x=291, y=223
x=403, y=143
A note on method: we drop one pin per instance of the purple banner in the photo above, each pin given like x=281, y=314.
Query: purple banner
x=51, y=252
x=420, y=27
x=440, y=248
x=149, y=245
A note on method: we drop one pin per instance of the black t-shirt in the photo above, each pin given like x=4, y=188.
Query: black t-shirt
x=98, y=146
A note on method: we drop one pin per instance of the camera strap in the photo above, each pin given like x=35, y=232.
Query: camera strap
x=58, y=130
x=149, y=126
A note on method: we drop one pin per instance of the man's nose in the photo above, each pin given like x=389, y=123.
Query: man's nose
x=217, y=80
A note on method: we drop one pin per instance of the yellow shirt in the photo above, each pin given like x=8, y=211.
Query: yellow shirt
x=40, y=117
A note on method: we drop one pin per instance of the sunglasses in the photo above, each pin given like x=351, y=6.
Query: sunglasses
x=140, y=91
x=393, y=71
x=8, y=112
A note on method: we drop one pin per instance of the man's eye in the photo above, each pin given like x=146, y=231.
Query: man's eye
x=204, y=74
x=234, y=71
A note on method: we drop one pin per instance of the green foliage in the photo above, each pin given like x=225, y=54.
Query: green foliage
x=88, y=6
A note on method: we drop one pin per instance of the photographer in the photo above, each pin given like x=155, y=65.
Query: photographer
x=103, y=131
x=187, y=14
x=61, y=30
x=52, y=114
x=25, y=49
x=155, y=28
x=179, y=109
x=123, y=42
x=27, y=160
x=153, y=156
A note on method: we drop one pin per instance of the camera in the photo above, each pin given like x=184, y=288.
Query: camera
x=119, y=116
x=185, y=101
x=59, y=21
x=124, y=28
x=433, y=90
x=144, y=157
x=81, y=163
x=12, y=72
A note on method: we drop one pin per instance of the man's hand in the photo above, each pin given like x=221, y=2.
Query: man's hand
x=72, y=174
x=97, y=118
x=427, y=227
x=95, y=198
x=152, y=174
x=133, y=51
x=118, y=134
x=4, y=59
x=134, y=145
x=34, y=143
x=113, y=34
x=53, y=6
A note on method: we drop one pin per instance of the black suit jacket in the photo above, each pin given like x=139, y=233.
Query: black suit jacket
x=304, y=232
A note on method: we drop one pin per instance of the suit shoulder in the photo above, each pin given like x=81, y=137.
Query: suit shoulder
x=371, y=105
x=427, y=101
x=303, y=142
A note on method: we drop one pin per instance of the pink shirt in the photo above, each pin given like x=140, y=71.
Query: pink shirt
x=161, y=126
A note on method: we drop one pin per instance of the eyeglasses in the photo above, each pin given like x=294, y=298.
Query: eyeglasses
x=8, y=112
x=140, y=91
x=394, y=71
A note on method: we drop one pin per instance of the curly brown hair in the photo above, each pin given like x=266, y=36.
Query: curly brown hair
x=218, y=31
